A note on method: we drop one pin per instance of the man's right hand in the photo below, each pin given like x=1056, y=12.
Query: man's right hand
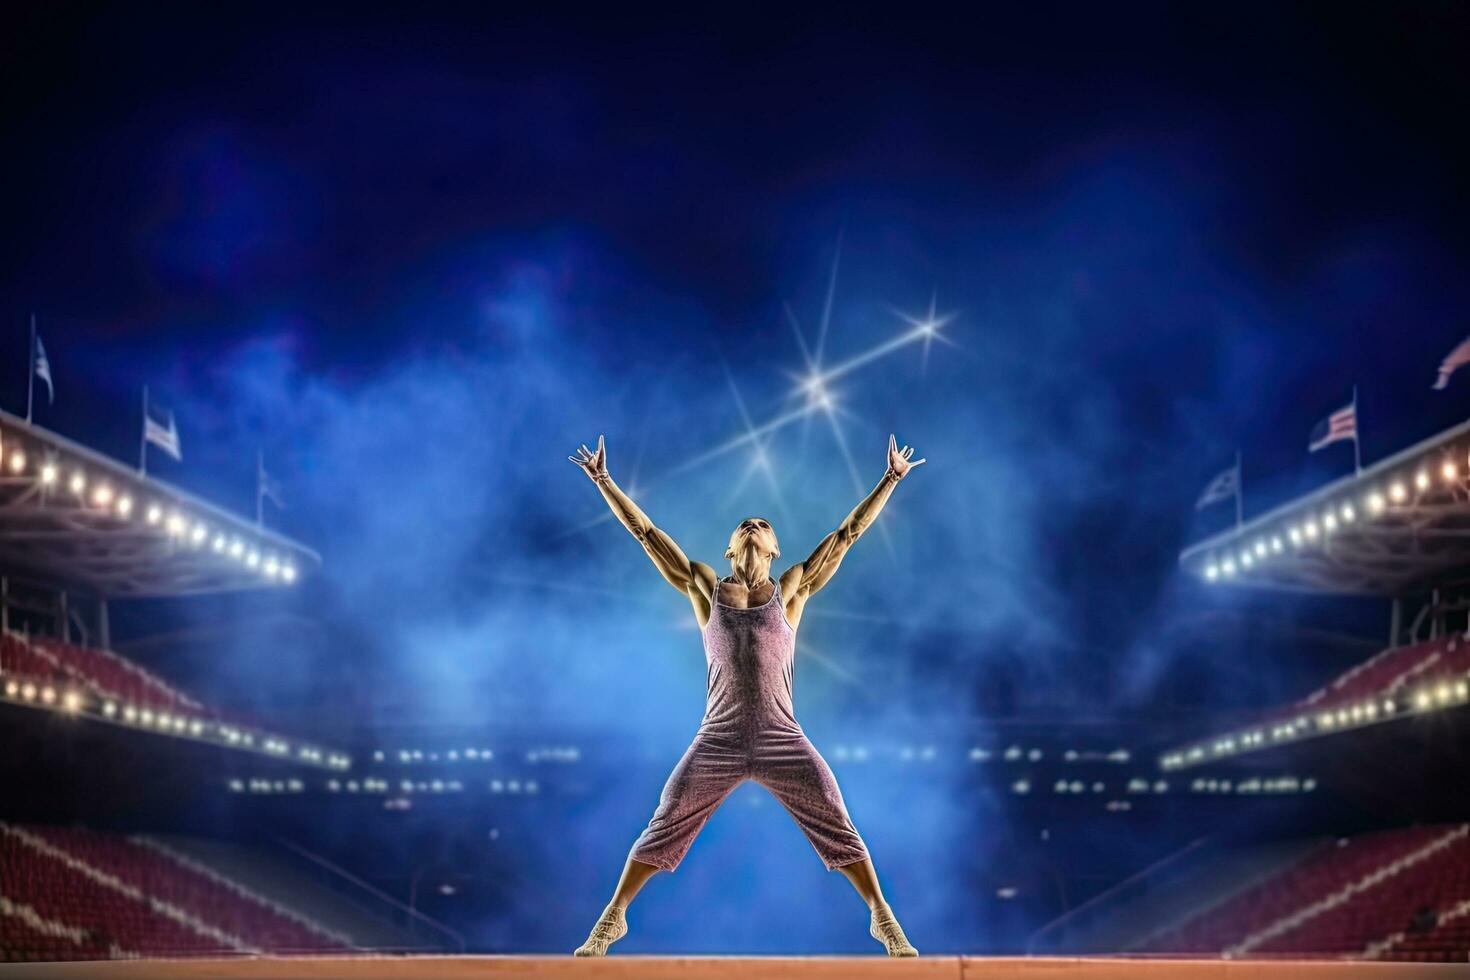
x=594, y=464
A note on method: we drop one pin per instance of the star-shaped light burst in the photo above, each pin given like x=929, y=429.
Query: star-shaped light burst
x=927, y=328
x=814, y=387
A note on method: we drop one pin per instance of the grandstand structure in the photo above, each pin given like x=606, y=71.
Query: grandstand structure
x=1400, y=530
x=79, y=530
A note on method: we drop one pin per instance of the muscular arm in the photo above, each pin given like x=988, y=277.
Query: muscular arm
x=819, y=568
x=665, y=553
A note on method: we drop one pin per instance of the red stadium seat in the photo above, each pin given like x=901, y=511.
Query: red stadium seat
x=87, y=894
x=1353, y=899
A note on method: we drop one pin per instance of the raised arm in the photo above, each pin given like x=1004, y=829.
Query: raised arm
x=809, y=576
x=665, y=553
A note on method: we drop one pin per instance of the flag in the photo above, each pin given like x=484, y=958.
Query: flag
x=1454, y=359
x=164, y=437
x=267, y=486
x=1341, y=424
x=43, y=370
x=1224, y=486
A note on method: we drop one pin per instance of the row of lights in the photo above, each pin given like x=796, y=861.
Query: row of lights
x=194, y=533
x=1337, y=515
x=266, y=786
x=407, y=756
x=1428, y=697
x=1254, y=786
x=71, y=701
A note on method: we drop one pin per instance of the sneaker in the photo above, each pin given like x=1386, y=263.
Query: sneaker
x=886, y=930
x=611, y=927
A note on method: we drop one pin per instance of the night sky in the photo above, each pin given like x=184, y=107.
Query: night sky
x=416, y=257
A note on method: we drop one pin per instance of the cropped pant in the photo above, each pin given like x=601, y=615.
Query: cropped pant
x=785, y=762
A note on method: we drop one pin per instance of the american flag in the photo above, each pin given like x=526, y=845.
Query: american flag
x=1341, y=424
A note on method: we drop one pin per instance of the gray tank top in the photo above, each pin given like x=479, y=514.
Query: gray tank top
x=749, y=653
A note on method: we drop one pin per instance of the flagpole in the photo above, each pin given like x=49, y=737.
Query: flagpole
x=31, y=382
x=1357, y=430
x=1239, y=492
x=143, y=443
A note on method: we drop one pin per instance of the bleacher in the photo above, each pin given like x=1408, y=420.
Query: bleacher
x=68, y=893
x=103, y=673
x=1395, y=682
x=1353, y=898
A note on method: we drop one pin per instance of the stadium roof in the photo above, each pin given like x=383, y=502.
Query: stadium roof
x=1400, y=526
x=72, y=517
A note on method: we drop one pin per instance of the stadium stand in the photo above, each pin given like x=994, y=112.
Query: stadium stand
x=102, y=672
x=1352, y=898
x=77, y=894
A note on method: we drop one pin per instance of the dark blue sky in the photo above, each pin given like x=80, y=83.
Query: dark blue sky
x=418, y=256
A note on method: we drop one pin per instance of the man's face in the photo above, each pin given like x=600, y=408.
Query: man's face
x=753, y=532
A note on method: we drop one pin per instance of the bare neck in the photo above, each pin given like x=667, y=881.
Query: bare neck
x=750, y=570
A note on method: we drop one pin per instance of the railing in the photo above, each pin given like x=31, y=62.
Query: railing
x=1134, y=884
x=411, y=918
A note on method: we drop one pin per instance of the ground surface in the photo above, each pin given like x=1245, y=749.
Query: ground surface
x=727, y=968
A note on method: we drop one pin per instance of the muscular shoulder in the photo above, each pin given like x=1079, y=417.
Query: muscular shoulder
x=791, y=580
x=704, y=577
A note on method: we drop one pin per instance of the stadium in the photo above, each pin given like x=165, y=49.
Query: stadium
x=317, y=659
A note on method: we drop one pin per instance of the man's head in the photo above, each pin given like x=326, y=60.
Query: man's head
x=754, y=533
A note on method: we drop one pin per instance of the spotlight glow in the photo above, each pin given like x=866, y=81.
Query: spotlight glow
x=1421, y=479
x=124, y=506
x=48, y=473
x=1375, y=502
x=78, y=482
x=1397, y=492
x=17, y=461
